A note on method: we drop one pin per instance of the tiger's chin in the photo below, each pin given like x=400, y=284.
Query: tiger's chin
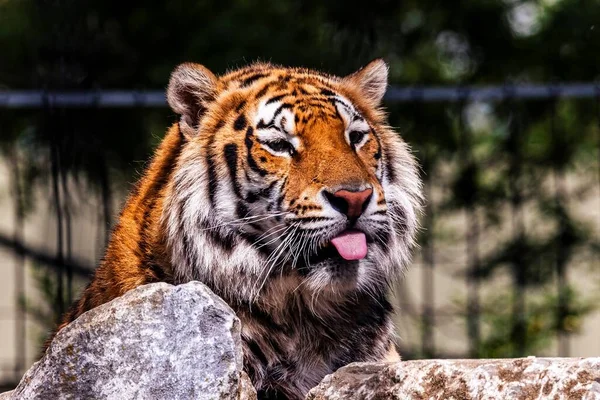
x=327, y=272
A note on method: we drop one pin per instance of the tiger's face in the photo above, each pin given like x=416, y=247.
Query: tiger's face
x=289, y=174
x=319, y=174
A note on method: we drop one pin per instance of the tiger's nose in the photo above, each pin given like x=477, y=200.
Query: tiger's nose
x=349, y=203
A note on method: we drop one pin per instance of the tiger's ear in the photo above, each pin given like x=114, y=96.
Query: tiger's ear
x=371, y=81
x=191, y=88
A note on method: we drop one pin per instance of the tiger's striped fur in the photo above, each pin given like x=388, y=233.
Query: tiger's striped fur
x=235, y=197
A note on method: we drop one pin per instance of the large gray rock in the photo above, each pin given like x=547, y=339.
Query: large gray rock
x=156, y=342
x=526, y=378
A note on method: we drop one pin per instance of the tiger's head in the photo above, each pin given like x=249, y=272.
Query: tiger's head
x=288, y=174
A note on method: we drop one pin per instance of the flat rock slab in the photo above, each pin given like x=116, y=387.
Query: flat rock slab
x=518, y=379
x=156, y=342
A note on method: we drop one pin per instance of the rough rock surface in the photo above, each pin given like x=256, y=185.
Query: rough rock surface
x=525, y=378
x=156, y=342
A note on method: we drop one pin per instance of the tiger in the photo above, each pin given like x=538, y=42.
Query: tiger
x=286, y=192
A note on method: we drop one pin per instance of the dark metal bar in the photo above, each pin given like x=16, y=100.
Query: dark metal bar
x=20, y=315
x=561, y=256
x=496, y=92
x=519, y=323
x=598, y=134
x=84, y=99
x=156, y=98
x=472, y=238
x=428, y=315
x=55, y=172
x=68, y=233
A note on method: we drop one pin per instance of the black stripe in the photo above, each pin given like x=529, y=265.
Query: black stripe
x=280, y=109
x=157, y=273
x=262, y=125
x=240, y=106
x=262, y=92
x=312, y=230
x=251, y=79
x=241, y=210
x=276, y=98
x=255, y=349
x=337, y=112
x=267, y=192
x=279, y=202
x=143, y=246
x=377, y=155
x=217, y=237
x=256, y=226
x=212, y=178
x=252, y=197
x=219, y=124
x=240, y=123
x=225, y=242
x=347, y=107
x=327, y=92
x=188, y=252
x=187, y=247
x=318, y=103
x=310, y=219
x=231, y=157
x=251, y=162
x=390, y=170
x=254, y=241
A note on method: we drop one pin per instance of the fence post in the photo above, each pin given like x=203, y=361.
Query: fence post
x=472, y=234
x=55, y=139
x=428, y=313
x=561, y=255
x=519, y=323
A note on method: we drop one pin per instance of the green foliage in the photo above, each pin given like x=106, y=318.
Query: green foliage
x=44, y=313
x=541, y=320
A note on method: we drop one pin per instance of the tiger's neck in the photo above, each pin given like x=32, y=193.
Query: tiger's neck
x=137, y=251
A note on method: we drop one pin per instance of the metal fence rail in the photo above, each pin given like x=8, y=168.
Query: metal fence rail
x=156, y=98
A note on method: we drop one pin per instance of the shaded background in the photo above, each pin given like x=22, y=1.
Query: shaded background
x=510, y=255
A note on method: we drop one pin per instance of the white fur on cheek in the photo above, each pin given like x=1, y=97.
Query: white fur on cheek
x=188, y=218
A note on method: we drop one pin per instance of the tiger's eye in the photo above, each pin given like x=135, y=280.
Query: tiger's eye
x=356, y=137
x=281, y=146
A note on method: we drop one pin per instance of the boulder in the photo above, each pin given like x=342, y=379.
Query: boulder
x=183, y=342
x=526, y=378
x=156, y=342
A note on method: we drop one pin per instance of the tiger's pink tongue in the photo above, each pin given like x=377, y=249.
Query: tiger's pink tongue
x=352, y=245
